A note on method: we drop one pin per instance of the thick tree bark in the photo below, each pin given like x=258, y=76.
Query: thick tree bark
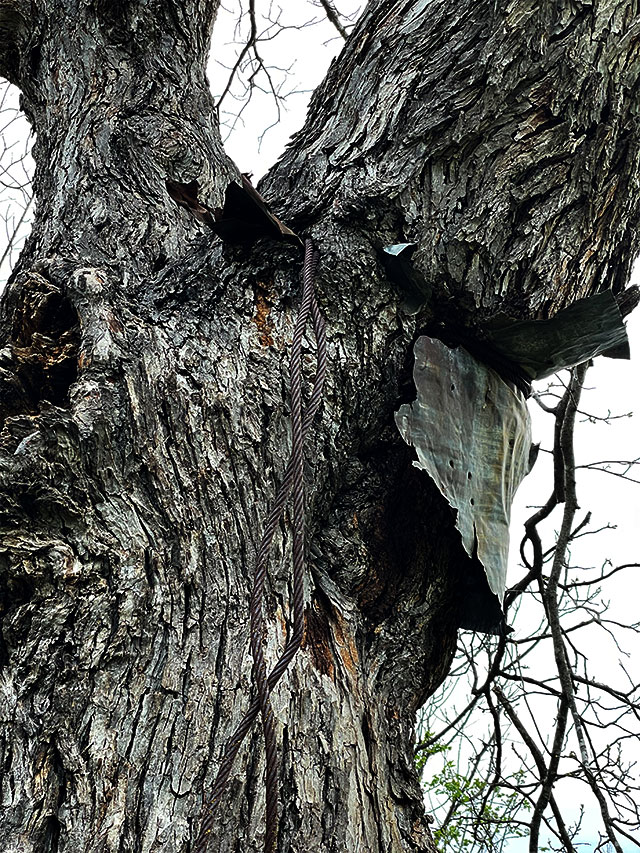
x=145, y=411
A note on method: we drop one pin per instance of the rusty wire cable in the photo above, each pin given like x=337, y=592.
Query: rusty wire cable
x=293, y=480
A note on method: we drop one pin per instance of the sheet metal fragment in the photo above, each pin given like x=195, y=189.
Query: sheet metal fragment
x=472, y=435
x=589, y=327
x=244, y=217
x=399, y=269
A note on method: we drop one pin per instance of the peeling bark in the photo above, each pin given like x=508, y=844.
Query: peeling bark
x=145, y=421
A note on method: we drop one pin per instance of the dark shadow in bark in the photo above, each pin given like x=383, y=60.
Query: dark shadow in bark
x=43, y=351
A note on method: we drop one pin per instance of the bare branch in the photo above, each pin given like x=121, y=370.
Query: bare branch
x=333, y=16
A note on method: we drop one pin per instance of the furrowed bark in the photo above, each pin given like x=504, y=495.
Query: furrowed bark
x=145, y=421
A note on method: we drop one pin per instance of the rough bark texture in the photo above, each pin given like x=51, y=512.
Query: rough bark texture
x=144, y=405
x=502, y=137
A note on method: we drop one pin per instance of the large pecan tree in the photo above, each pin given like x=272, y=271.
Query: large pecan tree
x=144, y=400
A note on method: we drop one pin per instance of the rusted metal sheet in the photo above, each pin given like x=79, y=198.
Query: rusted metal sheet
x=471, y=432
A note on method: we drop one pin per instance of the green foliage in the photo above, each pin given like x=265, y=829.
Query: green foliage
x=471, y=813
x=433, y=749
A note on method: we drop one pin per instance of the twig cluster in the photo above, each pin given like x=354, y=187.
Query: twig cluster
x=15, y=178
x=253, y=68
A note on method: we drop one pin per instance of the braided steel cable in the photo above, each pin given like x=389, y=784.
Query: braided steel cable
x=293, y=480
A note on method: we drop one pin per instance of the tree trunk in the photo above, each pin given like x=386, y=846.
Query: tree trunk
x=144, y=407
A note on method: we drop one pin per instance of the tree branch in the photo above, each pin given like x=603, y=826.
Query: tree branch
x=333, y=16
x=543, y=770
